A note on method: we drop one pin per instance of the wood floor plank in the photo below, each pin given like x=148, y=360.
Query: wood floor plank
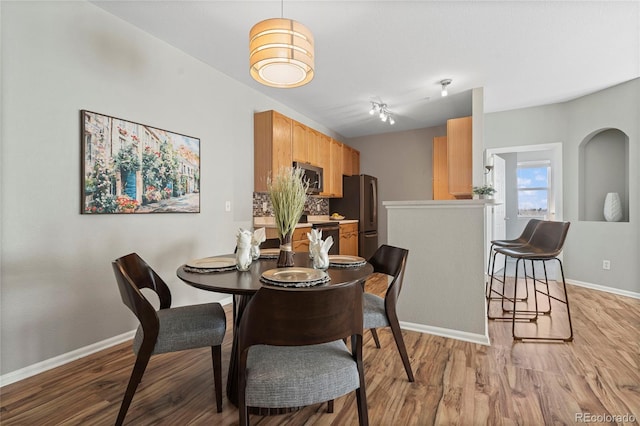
x=457, y=382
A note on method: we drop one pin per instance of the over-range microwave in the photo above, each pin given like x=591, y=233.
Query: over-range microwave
x=311, y=174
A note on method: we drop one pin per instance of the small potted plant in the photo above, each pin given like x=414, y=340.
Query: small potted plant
x=485, y=191
x=288, y=193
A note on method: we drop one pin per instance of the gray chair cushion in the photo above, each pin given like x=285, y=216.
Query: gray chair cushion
x=374, y=313
x=294, y=376
x=187, y=327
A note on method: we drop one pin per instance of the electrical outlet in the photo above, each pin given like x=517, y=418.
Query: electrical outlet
x=606, y=265
x=264, y=206
x=227, y=206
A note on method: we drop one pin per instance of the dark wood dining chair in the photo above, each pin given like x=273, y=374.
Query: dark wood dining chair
x=545, y=245
x=291, y=352
x=379, y=312
x=168, y=329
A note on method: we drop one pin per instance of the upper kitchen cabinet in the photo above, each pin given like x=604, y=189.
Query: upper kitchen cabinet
x=324, y=161
x=355, y=162
x=335, y=168
x=300, y=142
x=350, y=161
x=459, y=157
x=440, y=170
x=280, y=140
x=272, y=148
x=313, y=142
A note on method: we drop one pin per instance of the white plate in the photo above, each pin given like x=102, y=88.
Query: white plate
x=212, y=262
x=340, y=259
x=294, y=275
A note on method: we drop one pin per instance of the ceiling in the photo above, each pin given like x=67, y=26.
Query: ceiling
x=523, y=53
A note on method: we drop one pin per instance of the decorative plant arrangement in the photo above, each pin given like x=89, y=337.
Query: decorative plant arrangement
x=288, y=193
x=484, y=191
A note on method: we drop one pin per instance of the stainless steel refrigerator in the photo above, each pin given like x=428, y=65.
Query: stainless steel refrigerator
x=360, y=201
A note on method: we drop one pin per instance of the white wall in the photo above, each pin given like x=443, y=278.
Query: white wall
x=58, y=290
x=588, y=243
x=402, y=162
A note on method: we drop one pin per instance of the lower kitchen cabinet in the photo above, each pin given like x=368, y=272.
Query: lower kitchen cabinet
x=349, y=239
x=299, y=240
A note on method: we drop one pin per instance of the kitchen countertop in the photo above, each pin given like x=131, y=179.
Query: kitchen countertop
x=269, y=221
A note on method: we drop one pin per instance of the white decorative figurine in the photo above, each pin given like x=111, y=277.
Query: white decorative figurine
x=315, y=238
x=258, y=237
x=243, y=250
x=321, y=253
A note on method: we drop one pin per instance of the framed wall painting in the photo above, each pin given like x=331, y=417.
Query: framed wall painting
x=129, y=167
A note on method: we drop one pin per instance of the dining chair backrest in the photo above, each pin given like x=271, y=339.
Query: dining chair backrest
x=549, y=237
x=133, y=274
x=391, y=261
x=298, y=317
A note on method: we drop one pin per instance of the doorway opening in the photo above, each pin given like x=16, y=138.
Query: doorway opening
x=529, y=184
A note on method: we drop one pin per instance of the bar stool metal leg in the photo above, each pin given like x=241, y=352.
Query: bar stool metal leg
x=568, y=338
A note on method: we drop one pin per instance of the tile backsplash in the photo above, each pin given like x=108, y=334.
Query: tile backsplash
x=315, y=206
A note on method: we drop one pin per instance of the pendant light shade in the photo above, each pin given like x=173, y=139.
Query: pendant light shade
x=281, y=53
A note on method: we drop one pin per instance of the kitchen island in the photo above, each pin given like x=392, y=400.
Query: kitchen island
x=443, y=291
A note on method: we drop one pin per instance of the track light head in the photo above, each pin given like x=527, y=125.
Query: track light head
x=444, y=83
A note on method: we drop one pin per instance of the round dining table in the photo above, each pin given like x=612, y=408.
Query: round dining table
x=244, y=284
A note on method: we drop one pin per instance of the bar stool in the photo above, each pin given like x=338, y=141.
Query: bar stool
x=523, y=239
x=545, y=245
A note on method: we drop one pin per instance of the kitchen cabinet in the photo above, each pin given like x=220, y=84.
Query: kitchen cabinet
x=272, y=133
x=355, y=162
x=440, y=170
x=299, y=240
x=350, y=161
x=335, y=168
x=459, y=157
x=349, y=239
x=300, y=142
x=280, y=140
x=324, y=161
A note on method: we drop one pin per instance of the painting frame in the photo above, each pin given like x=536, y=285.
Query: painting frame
x=133, y=168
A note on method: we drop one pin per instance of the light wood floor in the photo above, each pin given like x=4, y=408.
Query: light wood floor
x=456, y=382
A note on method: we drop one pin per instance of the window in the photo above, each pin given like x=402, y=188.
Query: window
x=533, y=189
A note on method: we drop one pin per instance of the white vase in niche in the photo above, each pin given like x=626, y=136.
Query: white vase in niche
x=612, y=207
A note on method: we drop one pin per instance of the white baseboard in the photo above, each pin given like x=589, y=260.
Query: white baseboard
x=480, y=339
x=48, y=364
x=606, y=289
x=40, y=367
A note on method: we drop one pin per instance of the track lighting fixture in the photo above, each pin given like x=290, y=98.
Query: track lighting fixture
x=382, y=111
x=444, y=84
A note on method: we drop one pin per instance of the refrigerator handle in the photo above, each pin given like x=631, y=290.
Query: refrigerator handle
x=374, y=190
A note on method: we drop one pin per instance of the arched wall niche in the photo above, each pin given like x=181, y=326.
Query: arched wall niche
x=604, y=168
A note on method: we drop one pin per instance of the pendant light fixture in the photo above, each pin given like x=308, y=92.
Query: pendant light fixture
x=281, y=52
